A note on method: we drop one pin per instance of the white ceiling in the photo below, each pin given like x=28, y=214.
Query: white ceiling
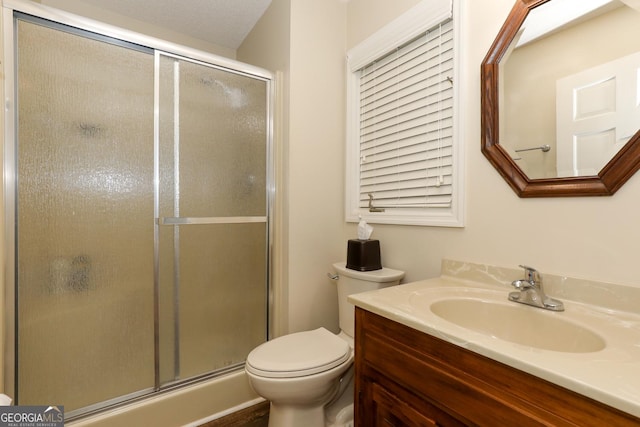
x=222, y=22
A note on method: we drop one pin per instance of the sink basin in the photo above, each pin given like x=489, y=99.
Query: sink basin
x=519, y=324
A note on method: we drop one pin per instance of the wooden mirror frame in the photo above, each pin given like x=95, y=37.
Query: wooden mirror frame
x=614, y=174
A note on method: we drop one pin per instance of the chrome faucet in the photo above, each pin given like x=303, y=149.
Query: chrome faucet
x=530, y=292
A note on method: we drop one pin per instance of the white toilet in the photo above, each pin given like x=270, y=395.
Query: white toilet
x=307, y=375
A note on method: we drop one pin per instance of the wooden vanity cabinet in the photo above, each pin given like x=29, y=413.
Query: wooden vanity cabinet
x=404, y=377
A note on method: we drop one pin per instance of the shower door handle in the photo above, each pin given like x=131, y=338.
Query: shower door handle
x=211, y=220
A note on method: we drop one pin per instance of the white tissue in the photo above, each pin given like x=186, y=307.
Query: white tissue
x=5, y=400
x=364, y=230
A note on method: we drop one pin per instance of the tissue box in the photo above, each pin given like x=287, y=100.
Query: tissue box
x=363, y=255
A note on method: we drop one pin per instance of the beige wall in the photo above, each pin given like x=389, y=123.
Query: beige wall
x=316, y=158
x=595, y=238
x=364, y=17
x=311, y=152
x=268, y=46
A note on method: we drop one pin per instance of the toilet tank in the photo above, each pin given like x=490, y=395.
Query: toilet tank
x=353, y=282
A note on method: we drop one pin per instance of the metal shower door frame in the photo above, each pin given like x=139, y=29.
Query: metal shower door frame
x=161, y=47
x=178, y=220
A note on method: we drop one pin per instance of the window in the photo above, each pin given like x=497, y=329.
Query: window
x=404, y=165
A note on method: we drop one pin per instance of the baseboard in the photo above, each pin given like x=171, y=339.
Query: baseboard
x=242, y=417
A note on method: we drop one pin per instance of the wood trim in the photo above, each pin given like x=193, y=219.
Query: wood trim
x=243, y=417
x=619, y=169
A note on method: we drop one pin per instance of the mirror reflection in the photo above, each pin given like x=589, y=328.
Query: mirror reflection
x=569, y=87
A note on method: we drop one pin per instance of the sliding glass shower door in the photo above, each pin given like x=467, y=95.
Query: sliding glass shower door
x=212, y=214
x=141, y=218
x=84, y=242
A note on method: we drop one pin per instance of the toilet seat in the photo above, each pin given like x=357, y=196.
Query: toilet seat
x=299, y=354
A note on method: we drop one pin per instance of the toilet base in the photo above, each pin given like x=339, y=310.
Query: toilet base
x=309, y=417
x=340, y=412
x=289, y=416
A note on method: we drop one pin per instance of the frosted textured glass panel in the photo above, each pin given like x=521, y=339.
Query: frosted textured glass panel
x=222, y=295
x=169, y=145
x=213, y=277
x=168, y=309
x=222, y=143
x=168, y=298
x=84, y=219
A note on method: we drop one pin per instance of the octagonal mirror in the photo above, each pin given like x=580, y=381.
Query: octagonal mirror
x=561, y=97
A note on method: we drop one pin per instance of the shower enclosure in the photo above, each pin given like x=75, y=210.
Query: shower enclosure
x=138, y=215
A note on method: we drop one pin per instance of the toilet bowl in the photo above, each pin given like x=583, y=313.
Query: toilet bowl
x=305, y=374
x=299, y=373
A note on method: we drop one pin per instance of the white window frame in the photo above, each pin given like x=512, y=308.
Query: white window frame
x=424, y=16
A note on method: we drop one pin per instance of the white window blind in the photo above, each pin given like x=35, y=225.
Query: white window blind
x=406, y=124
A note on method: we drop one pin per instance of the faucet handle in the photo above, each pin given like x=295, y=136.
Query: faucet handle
x=530, y=274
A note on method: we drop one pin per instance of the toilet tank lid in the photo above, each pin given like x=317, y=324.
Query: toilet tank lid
x=380, y=276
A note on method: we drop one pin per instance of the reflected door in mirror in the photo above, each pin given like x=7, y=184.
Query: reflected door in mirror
x=535, y=94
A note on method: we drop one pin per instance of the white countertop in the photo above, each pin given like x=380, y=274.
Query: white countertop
x=611, y=375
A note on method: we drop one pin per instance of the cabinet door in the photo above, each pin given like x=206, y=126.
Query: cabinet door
x=391, y=411
x=394, y=406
